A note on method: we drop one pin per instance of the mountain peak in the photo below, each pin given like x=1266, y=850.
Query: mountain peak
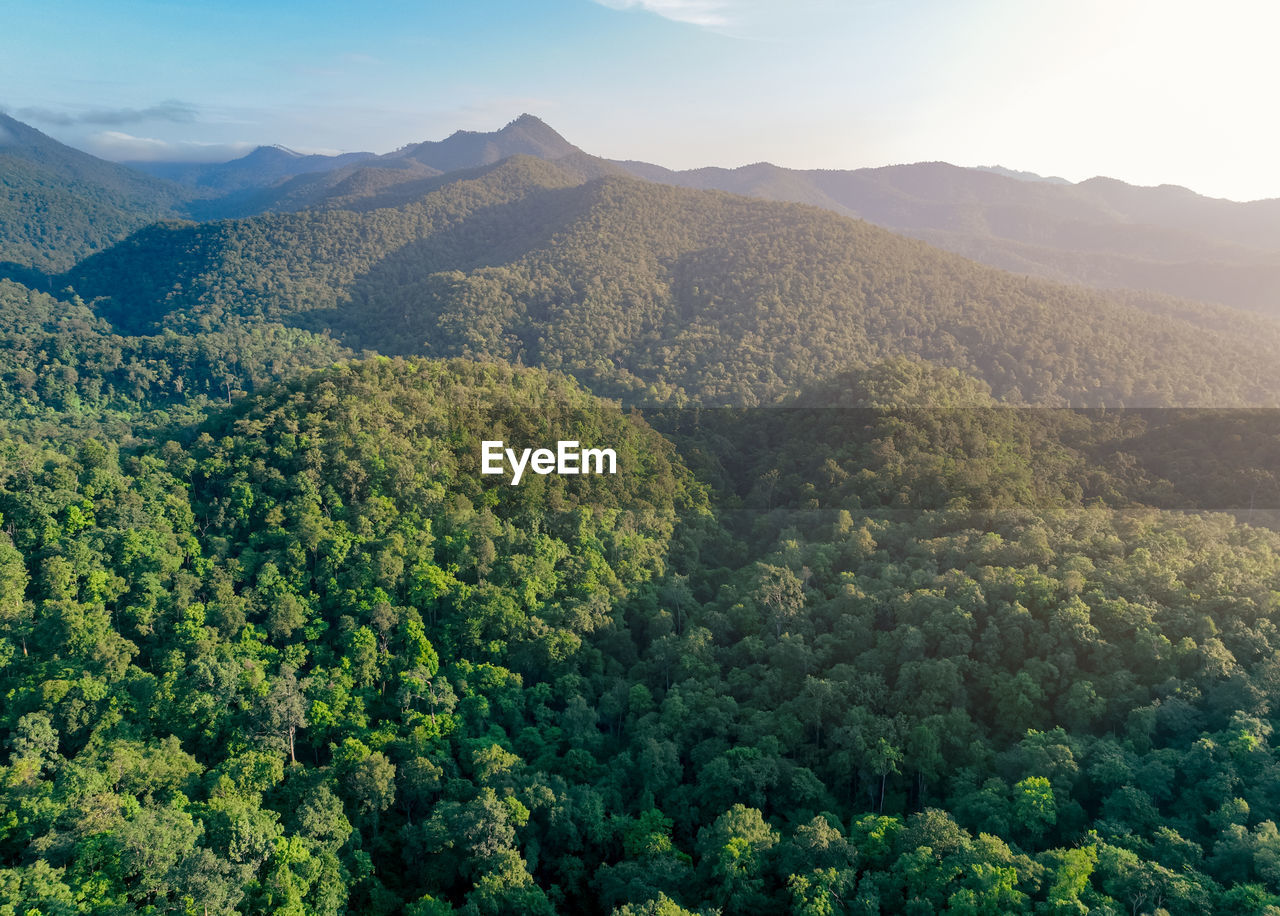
x=528, y=121
x=538, y=130
x=526, y=135
x=269, y=153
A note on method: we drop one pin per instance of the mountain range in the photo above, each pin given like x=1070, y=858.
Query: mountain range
x=1099, y=232
x=629, y=285
x=647, y=283
x=264, y=166
x=273, y=642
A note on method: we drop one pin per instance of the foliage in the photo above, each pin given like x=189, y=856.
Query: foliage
x=664, y=295
x=271, y=643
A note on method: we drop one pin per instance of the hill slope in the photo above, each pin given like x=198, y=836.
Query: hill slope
x=643, y=290
x=1100, y=232
x=58, y=204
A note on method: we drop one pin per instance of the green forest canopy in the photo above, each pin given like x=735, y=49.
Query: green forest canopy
x=299, y=658
x=664, y=295
x=270, y=644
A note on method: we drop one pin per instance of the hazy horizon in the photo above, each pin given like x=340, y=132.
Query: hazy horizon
x=1148, y=94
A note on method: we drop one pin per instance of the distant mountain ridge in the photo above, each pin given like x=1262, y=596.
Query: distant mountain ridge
x=264, y=166
x=1020, y=174
x=400, y=176
x=275, y=178
x=1101, y=232
x=652, y=293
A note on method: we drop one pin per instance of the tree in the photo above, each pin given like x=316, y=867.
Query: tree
x=15, y=612
x=781, y=595
x=732, y=857
x=284, y=710
x=1034, y=805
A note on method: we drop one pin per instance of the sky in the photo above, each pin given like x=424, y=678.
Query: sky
x=1147, y=91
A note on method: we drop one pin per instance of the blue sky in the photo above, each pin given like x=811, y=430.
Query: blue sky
x=1149, y=91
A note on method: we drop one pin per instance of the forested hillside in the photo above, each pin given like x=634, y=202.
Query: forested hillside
x=302, y=658
x=1100, y=232
x=62, y=366
x=894, y=604
x=653, y=293
x=58, y=204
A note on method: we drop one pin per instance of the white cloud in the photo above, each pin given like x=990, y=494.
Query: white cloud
x=709, y=13
x=352, y=57
x=121, y=147
x=172, y=110
x=759, y=20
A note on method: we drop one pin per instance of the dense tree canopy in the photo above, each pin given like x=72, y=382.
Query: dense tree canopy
x=302, y=657
x=659, y=294
x=270, y=642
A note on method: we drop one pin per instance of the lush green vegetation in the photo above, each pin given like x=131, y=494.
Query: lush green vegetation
x=58, y=204
x=271, y=644
x=317, y=586
x=658, y=294
x=63, y=367
x=302, y=658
